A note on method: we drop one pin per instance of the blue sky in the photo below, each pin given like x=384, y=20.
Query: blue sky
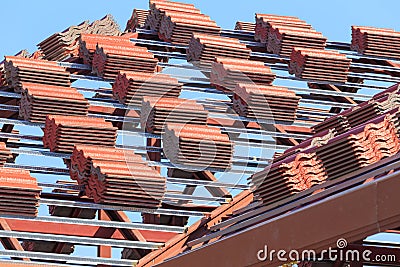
x=26, y=23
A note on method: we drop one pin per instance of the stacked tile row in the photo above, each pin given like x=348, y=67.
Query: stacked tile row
x=265, y=102
x=89, y=42
x=203, y=49
x=227, y=72
x=371, y=41
x=131, y=87
x=281, y=33
x=245, y=26
x=156, y=112
x=110, y=58
x=158, y=7
x=350, y=118
x=328, y=157
x=289, y=176
x=19, y=192
x=178, y=27
x=117, y=177
x=82, y=156
x=198, y=146
x=39, y=100
x=18, y=70
x=63, y=45
x=137, y=20
x=61, y=133
x=319, y=65
x=176, y=22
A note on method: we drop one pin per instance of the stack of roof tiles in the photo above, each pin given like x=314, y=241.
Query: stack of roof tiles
x=198, y=146
x=131, y=87
x=289, y=176
x=137, y=19
x=89, y=42
x=355, y=116
x=316, y=64
x=178, y=25
x=265, y=102
x=227, y=72
x=3, y=80
x=117, y=177
x=82, y=156
x=373, y=41
x=112, y=57
x=263, y=25
x=282, y=39
x=205, y=48
x=281, y=34
x=19, y=70
x=158, y=7
x=61, y=133
x=245, y=26
x=62, y=45
x=5, y=154
x=20, y=193
x=327, y=156
x=364, y=145
x=39, y=100
x=21, y=54
x=156, y=112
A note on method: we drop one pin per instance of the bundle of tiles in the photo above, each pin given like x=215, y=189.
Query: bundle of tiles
x=198, y=146
x=5, y=154
x=137, y=20
x=3, y=80
x=132, y=184
x=89, y=42
x=245, y=26
x=61, y=133
x=319, y=65
x=327, y=155
x=282, y=39
x=18, y=70
x=359, y=147
x=156, y=112
x=158, y=7
x=111, y=58
x=203, y=49
x=82, y=156
x=131, y=87
x=40, y=100
x=288, y=176
x=20, y=193
x=357, y=115
x=263, y=25
x=177, y=27
x=64, y=45
x=227, y=72
x=371, y=41
x=265, y=102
